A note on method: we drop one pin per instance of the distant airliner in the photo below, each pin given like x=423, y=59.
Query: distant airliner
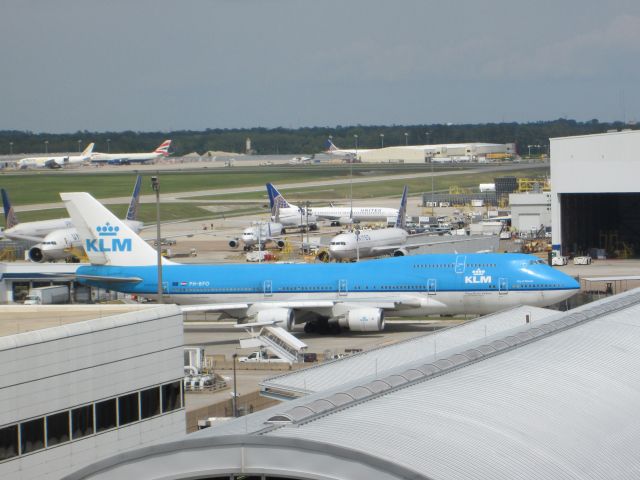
x=56, y=161
x=260, y=234
x=336, y=215
x=128, y=158
x=353, y=295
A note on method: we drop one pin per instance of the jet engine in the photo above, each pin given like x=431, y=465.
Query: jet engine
x=284, y=317
x=364, y=320
x=234, y=242
x=280, y=243
x=36, y=255
x=401, y=252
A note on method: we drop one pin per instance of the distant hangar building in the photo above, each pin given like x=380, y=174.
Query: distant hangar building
x=455, y=152
x=595, y=203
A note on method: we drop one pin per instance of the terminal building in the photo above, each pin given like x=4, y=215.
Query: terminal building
x=548, y=395
x=595, y=200
x=80, y=383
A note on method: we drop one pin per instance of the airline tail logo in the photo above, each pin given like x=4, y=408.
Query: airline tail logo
x=477, y=276
x=275, y=198
x=163, y=149
x=132, y=213
x=330, y=146
x=88, y=151
x=401, y=221
x=10, y=218
x=108, y=240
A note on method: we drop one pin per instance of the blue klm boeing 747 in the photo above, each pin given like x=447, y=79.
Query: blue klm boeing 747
x=353, y=295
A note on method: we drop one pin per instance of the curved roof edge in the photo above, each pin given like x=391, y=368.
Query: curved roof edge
x=244, y=454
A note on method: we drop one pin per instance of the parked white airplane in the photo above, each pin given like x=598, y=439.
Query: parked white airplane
x=260, y=233
x=31, y=231
x=287, y=214
x=129, y=158
x=370, y=243
x=60, y=244
x=57, y=161
x=337, y=215
x=333, y=150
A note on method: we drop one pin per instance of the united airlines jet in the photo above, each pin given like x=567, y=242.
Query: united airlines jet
x=353, y=295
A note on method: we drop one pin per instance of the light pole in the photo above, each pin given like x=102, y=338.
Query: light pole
x=235, y=393
x=155, y=184
x=108, y=145
x=426, y=136
x=10, y=148
x=357, y=232
x=79, y=143
x=382, y=140
x=355, y=138
x=46, y=146
x=406, y=139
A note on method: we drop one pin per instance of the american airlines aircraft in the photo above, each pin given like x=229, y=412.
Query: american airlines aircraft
x=336, y=215
x=59, y=244
x=353, y=295
x=129, y=158
x=56, y=162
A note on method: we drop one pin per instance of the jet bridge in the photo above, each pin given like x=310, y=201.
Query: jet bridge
x=276, y=340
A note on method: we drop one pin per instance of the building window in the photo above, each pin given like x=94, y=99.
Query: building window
x=150, y=402
x=82, y=421
x=57, y=428
x=32, y=435
x=171, y=397
x=128, y=409
x=105, y=415
x=8, y=442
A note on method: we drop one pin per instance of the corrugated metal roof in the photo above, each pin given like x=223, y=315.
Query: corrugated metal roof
x=384, y=359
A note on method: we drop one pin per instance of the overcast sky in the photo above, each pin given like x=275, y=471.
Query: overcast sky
x=167, y=65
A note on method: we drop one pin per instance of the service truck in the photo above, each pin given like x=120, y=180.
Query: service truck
x=261, y=356
x=48, y=295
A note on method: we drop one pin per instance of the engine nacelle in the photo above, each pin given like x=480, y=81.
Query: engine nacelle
x=401, y=252
x=364, y=320
x=280, y=243
x=36, y=255
x=284, y=317
x=234, y=242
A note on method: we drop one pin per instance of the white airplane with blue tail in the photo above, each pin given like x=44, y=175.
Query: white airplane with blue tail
x=354, y=295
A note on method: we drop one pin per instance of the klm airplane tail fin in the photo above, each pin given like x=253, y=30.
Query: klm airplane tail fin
x=10, y=218
x=106, y=239
x=401, y=221
x=132, y=213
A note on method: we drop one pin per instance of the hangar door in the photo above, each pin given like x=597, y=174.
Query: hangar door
x=610, y=221
x=528, y=222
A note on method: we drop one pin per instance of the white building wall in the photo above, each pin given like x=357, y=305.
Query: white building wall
x=602, y=163
x=525, y=205
x=56, y=369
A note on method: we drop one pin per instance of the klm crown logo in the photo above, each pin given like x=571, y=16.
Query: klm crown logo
x=477, y=276
x=108, y=240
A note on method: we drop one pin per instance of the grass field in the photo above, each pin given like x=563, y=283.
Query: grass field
x=43, y=187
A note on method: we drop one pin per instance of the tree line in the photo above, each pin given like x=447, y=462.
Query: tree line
x=307, y=140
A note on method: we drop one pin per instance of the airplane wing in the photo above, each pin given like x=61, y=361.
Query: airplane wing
x=328, y=307
x=109, y=279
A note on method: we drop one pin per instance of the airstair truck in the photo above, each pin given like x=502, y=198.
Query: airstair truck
x=48, y=295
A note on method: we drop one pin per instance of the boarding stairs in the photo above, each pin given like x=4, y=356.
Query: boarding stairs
x=276, y=340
